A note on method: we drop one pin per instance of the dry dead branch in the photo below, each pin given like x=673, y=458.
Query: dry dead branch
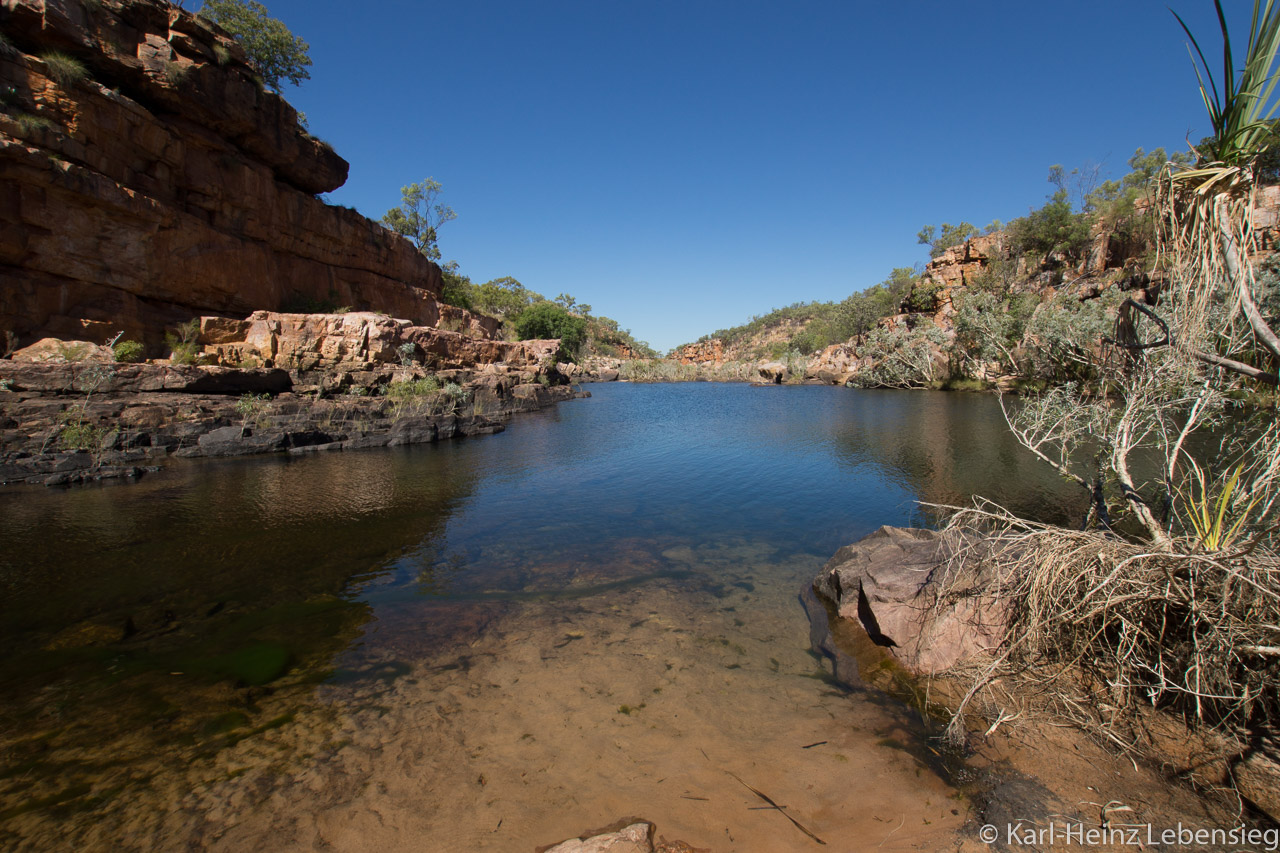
x=1107, y=626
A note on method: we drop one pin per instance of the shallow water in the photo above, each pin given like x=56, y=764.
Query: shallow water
x=486, y=644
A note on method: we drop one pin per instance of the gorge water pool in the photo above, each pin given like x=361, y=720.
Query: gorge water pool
x=493, y=643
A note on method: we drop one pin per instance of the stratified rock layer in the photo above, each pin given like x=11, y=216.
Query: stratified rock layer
x=360, y=341
x=166, y=183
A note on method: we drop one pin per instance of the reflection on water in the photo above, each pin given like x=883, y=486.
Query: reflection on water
x=947, y=448
x=156, y=628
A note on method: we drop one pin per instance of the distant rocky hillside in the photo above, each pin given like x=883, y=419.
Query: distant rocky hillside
x=149, y=178
x=979, y=311
x=768, y=336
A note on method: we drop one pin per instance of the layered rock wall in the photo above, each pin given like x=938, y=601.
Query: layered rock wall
x=702, y=352
x=360, y=341
x=956, y=267
x=166, y=183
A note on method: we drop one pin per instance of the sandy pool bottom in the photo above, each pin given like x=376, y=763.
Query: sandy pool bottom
x=549, y=717
x=570, y=695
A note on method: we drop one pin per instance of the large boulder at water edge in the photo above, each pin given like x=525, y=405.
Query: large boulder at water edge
x=774, y=372
x=890, y=581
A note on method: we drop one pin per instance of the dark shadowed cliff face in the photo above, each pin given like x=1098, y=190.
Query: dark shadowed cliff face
x=166, y=183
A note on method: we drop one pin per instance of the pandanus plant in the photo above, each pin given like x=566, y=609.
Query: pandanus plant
x=1208, y=242
x=1208, y=209
x=1241, y=110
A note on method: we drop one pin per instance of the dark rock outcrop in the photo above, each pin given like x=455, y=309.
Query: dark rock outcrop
x=115, y=430
x=84, y=377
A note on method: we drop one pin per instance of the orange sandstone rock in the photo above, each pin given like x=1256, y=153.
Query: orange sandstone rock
x=168, y=184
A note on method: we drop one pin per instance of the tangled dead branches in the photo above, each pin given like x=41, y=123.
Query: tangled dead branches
x=1108, y=626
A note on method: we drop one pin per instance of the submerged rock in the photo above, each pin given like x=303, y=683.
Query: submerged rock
x=636, y=838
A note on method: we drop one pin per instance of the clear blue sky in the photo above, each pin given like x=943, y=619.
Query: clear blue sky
x=681, y=166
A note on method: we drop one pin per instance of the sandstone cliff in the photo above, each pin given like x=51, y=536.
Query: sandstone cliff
x=166, y=183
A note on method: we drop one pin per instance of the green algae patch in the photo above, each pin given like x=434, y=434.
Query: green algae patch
x=258, y=664
x=253, y=665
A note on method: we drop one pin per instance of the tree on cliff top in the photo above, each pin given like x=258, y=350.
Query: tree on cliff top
x=420, y=215
x=951, y=235
x=274, y=52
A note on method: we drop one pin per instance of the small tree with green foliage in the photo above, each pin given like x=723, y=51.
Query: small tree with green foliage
x=905, y=357
x=1113, y=204
x=546, y=320
x=420, y=215
x=1053, y=229
x=504, y=297
x=456, y=289
x=275, y=53
x=989, y=329
x=950, y=235
x=1065, y=336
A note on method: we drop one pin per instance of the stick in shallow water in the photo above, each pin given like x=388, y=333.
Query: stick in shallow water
x=782, y=809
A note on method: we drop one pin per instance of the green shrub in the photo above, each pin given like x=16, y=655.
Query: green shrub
x=417, y=396
x=129, y=352
x=407, y=353
x=903, y=357
x=456, y=288
x=923, y=298
x=252, y=408
x=807, y=341
x=1051, y=229
x=78, y=434
x=402, y=391
x=73, y=350
x=951, y=235
x=29, y=123
x=65, y=70
x=182, y=342
x=453, y=396
x=546, y=320
x=175, y=72
x=275, y=52
x=184, y=353
x=962, y=384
